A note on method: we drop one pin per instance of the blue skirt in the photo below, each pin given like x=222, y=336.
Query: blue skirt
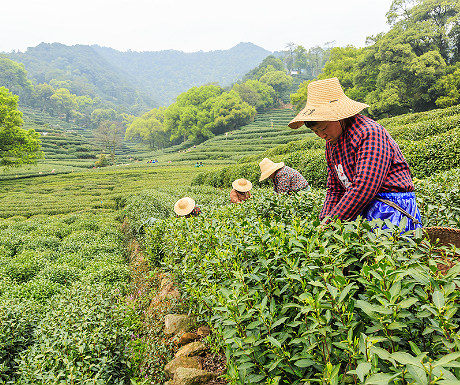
x=379, y=210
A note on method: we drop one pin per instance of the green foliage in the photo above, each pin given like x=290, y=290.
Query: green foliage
x=349, y=303
x=18, y=146
x=409, y=68
x=278, y=80
x=149, y=129
x=202, y=112
x=438, y=199
x=62, y=317
x=311, y=164
x=257, y=94
x=270, y=63
x=13, y=76
x=434, y=154
x=81, y=338
x=449, y=86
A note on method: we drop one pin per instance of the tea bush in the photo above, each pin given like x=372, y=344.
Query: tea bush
x=17, y=323
x=60, y=320
x=434, y=154
x=148, y=206
x=438, y=199
x=311, y=164
x=295, y=304
x=81, y=339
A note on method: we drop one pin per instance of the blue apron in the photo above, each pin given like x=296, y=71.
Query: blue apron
x=380, y=210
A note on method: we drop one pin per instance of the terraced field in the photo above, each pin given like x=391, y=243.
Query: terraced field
x=268, y=130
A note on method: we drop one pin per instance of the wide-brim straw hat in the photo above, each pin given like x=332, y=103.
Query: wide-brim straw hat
x=268, y=167
x=326, y=101
x=242, y=185
x=184, y=206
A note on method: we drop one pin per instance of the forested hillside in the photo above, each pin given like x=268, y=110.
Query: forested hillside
x=165, y=74
x=146, y=79
x=414, y=67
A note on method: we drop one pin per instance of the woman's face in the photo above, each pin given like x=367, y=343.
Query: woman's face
x=330, y=131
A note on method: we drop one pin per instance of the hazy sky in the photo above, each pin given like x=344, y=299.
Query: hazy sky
x=192, y=25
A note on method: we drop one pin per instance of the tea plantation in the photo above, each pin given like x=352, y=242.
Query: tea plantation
x=288, y=303
x=268, y=129
x=430, y=142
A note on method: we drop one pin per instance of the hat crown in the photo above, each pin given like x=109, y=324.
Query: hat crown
x=265, y=162
x=183, y=204
x=324, y=91
x=242, y=182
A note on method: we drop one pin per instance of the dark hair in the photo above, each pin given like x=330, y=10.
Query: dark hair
x=347, y=122
x=310, y=124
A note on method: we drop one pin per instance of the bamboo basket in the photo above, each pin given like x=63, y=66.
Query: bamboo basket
x=444, y=236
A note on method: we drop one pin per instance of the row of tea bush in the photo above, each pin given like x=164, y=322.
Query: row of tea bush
x=293, y=303
x=63, y=317
x=430, y=142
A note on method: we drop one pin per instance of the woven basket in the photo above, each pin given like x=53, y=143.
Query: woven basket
x=443, y=236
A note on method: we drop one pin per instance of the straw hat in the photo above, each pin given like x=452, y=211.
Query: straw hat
x=184, y=206
x=242, y=185
x=267, y=167
x=326, y=101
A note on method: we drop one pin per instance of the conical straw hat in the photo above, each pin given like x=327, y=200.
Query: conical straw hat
x=326, y=101
x=242, y=185
x=267, y=167
x=184, y=206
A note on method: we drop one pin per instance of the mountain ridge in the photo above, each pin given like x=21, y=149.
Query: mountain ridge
x=148, y=78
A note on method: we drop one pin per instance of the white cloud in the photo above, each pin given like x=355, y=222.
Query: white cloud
x=152, y=25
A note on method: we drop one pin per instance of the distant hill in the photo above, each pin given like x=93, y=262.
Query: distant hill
x=147, y=79
x=166, y=74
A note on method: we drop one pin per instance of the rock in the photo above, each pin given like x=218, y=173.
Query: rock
x=174, y=323
x=193, y=349
x=168, y=291
x=204, y=331
x=181, y=362
x=187, y=376
x=186, y=338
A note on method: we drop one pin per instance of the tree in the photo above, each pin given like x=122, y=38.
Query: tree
x=227, y=112
x=13, y=76
x=270, y=63
x=65, y=102
x=181, y=117
x=289, y=56
x=17, y=146
x=278, y=80
x=449, y=87
x=42, y=96
x=100, y=115
x=149, y=129
x=257, y=94
x=109, y=135
x=300, y=58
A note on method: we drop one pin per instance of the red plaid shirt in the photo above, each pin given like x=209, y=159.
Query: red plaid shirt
x=364, y=162
x=288, y=180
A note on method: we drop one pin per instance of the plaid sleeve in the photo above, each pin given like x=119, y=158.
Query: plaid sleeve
x=373, y=161
x=334, y=191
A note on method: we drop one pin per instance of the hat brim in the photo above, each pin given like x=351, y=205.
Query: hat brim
x=271, y=170
x=331, y=112
x=186, y=210
x=240, y=188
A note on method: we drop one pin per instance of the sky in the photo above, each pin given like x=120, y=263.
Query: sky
x=192, y=25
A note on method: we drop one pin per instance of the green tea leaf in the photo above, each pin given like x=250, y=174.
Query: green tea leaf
x=438, y=299
x=363, y=369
